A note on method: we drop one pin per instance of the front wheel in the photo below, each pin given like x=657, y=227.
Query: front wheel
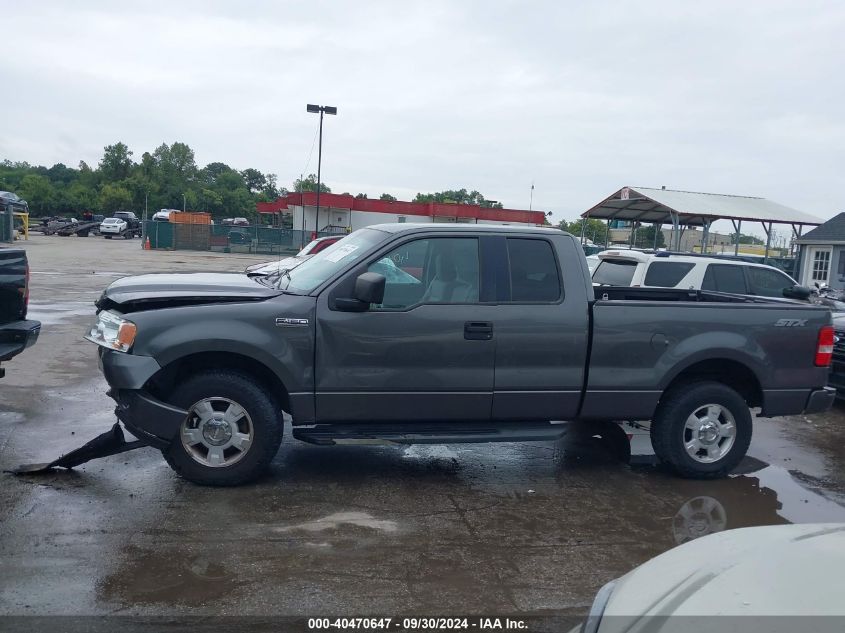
x=231, y=433
x=702, y=430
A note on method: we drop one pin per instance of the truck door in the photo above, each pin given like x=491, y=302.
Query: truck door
x=542, y=330
x=426, y=353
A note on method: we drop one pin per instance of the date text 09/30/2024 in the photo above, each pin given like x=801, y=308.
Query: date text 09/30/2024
x=418, y=624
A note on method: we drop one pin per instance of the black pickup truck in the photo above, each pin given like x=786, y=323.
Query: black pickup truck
x=16, y=332
x=447, y=333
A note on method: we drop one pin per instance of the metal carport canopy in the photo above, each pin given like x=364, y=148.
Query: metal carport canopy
x=689, y=208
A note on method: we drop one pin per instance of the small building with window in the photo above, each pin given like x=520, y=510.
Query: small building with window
x=821, y=259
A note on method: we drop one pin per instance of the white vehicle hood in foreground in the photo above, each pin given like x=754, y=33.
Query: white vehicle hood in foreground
x=761, y=571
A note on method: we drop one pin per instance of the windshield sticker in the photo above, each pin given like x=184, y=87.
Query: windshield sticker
x=341, y=252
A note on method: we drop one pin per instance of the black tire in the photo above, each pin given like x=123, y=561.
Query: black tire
x=127, y=236
x=668, y=428
x=262, y=409
x=108, y=237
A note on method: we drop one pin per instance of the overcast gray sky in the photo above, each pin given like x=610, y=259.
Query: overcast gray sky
x=580, y=98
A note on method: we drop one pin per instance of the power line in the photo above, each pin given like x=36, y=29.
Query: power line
x=311, y=153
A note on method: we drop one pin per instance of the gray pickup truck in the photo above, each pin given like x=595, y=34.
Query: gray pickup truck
x=447, y=333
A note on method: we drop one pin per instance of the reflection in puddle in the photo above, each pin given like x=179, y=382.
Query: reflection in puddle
x=699, y=517
x=768, y=496
x=175, y=578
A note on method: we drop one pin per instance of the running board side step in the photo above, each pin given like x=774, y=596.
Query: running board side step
x=428, y=433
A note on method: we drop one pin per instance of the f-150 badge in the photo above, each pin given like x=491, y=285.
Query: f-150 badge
x=289, y=322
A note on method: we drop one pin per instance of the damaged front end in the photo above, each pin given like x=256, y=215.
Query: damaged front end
x=111, y=442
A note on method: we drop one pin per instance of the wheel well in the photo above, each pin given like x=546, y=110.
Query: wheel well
x=162, y=384
x=729, y=372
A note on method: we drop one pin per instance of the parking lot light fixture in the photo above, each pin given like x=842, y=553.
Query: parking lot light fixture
x=322, y=110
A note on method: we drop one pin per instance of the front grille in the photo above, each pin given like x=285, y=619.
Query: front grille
x=839, y=346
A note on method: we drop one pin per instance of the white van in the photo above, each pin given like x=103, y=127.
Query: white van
x=668, y=270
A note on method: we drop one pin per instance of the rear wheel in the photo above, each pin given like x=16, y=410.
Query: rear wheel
x=231, y=433
x=702, y=430
x=108, y=237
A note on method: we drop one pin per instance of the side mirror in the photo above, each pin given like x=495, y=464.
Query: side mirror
x=369, y=288
x=801, y=293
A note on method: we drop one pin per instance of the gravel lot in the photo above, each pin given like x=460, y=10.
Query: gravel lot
x=474, y=529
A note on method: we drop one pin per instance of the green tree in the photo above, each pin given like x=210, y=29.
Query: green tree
x=645, y=237
x=38, y=191
x=114, y=198
x=271, y=187
x=116, y=162
x=79, y=197
x=387, y=197
x=254, y=179
x=458, y=196
x=750, y=239
x=593, y=229
x=309, y=183
x=361, y=196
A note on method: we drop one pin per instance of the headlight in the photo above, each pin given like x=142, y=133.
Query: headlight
x=591, y=624
x=112, y=332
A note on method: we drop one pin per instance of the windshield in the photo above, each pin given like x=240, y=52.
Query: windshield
x=614, y=272
x=310, y=274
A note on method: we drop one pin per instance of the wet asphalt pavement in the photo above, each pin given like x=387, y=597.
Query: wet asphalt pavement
x=471, y=529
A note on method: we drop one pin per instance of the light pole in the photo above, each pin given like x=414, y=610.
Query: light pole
x=322, y=110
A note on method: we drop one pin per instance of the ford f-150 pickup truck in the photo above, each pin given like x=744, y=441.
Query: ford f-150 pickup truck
x=16, y=332
x=447, y=333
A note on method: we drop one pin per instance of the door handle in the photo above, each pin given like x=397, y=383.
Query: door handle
x=478, y=330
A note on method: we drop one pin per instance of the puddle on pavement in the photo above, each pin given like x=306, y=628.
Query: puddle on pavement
x=177, y=578
x=339, y=520
x=60, y=312
x=104, y=273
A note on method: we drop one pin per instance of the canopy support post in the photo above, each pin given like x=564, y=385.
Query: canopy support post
x=768, y=230
x=658, y=228
x=705, y=232
x=737, y=234
x=676, y=236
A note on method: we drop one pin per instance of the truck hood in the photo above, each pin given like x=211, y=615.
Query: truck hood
x=149, y=292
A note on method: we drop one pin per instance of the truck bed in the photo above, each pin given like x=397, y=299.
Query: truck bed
x=643, y=337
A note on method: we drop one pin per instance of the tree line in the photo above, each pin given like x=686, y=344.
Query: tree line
x=595, y=230
x=167, y=178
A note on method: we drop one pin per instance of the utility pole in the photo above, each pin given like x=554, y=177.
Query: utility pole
x=531, y=200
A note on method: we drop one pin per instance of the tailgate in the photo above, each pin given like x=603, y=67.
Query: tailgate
x=17, y=336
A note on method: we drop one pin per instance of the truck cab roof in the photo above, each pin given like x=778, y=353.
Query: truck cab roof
x=399, y=227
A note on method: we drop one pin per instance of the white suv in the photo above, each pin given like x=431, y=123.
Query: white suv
x=665, y=270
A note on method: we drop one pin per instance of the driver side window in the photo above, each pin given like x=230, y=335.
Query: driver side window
x=432, y=270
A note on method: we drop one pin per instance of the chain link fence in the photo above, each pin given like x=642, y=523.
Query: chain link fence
x=7, y=223
x=266, y=240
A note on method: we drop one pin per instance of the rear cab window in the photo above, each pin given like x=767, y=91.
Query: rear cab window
x=533, y=270
x=615, y=272
x=666, y=274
